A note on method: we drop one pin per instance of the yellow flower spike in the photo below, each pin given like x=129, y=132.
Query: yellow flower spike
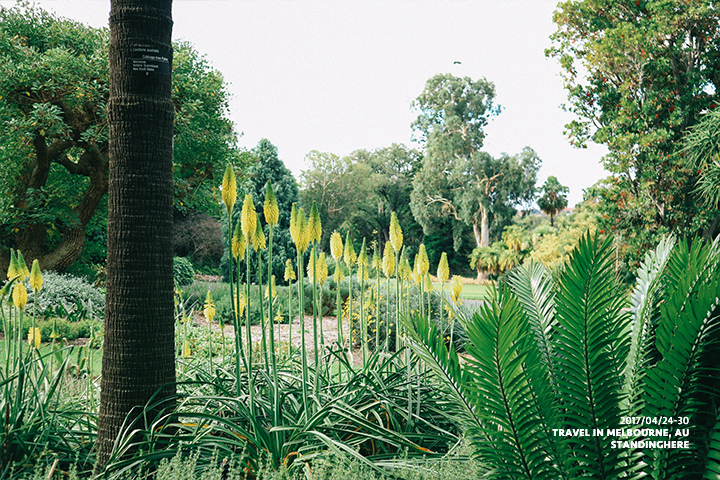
x=336, y=245
x=456, y=287
x=388, y=260
x=322, y=269
x=229, y=188
x=209, y=307
x=362, y=273
x=258, y=241
x=19, y=295
x=362, y=258
x=423, y=264
x=186, y=349
x=293, y=223
x=362, y=261
x=36, y=280
x=271, y=288
x=13, y=267
x=303, y=234
x=428, y=287
x=22, y=267
x=443, y=270
x=240, y=304
x=339, y=276
x=238, y=244
x=34, y=337
x=270, y=208
x=289, y=271
x=349, y=256
x=314, y=224
x=404, y=269
x=416, y=269
x=309, y=267
x=396, y=235
x=376, y=261
x=248, y=218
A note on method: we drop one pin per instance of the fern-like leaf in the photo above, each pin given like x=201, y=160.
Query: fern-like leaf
x=645, y=308
x=534, y=287
x=591, y=352
x=505, y=388
x=428, y=345
x=683, y=383
x=712, y=466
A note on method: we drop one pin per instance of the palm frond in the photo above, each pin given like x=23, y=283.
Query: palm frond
x=683, y=383
x=427, y=344
x=516, y=439
x=534, y=287
x=645, y=308
x=712, y=466
x=591, y=352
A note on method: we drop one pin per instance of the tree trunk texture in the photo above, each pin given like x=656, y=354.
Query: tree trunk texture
x=138, y=356
x=482, y=239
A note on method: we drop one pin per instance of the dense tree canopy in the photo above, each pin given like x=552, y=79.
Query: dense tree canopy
x=457, y=180
x=638, y=74
x=392, y=170
x=702, y=149
x=54, y=140
x=359, y=192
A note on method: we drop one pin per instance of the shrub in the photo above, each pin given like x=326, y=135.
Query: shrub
x=199, y=237
x=63, y=327
x=183, y=272
x=70, y=297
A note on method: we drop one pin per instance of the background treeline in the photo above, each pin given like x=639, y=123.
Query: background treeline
x=660, y=124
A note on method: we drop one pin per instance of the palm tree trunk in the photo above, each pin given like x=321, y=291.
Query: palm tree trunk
x=138, y=356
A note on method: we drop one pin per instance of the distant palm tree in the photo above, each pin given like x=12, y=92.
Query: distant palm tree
x=554, y=197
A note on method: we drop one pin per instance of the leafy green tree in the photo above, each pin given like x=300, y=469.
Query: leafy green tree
x=702, y=153
x=392, y=170
x=475, y=191
x=54, y=132
x=334, y=183
x=457, y=179
x=554, y=197
x=638, y=75
x=359, y=192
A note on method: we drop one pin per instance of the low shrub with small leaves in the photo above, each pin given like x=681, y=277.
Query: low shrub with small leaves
x=64, y=295
x=183, y=272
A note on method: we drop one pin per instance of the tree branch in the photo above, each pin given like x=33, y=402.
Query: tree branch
x=447, y=205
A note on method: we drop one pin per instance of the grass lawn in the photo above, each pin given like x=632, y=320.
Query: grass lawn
x=470, y=291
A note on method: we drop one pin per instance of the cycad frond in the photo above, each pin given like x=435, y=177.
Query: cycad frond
x=645, y=308
x=712, y=467
x=534, y=287
x=505, y=371
x=590, y=355
x=683, y=383
x=429, y=346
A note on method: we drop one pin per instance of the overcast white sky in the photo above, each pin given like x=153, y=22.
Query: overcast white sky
x=337, y=76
